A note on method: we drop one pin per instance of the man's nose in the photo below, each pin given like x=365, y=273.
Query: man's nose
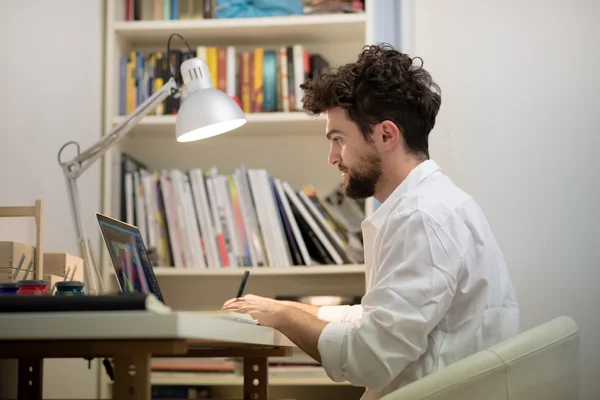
x=334, y=157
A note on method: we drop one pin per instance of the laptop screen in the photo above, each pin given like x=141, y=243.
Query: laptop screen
x=129, y=257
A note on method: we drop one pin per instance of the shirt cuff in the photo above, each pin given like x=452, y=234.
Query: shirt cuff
x=330, y=344
x=331, y=313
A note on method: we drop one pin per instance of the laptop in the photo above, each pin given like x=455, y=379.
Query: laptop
x=129, y=257
x=132, y=265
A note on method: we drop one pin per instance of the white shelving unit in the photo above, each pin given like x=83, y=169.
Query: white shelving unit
x=331, y=28
x=290, y=146
x=228, y=386
x=225, y=379
x=258, y=125
x=313, y=272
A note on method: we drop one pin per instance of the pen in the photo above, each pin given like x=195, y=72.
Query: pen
x=19, y=267
x=243, y=284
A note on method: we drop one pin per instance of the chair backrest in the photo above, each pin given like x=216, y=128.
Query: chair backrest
x=540, y=363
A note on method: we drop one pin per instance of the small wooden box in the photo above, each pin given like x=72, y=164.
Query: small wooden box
x=60, y=263
x=10, y=255
x=51, y=281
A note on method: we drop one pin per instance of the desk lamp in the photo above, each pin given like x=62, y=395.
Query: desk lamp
x=204, y=112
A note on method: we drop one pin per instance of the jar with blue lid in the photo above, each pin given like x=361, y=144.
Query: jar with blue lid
x=69, y=288
x=8, y=288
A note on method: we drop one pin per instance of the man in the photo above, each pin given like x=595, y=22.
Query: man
x=437, y=287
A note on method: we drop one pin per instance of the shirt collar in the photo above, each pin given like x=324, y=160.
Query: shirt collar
x=416, y=176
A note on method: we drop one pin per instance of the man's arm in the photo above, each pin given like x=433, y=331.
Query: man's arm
x=329, y=313
x=302, y=328
x=341, y=313
x=336, y=314
x=412, y=290
x=309, y=308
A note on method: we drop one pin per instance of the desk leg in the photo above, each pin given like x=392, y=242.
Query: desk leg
x=132, y=384
x=256, y=378
x=30, y=378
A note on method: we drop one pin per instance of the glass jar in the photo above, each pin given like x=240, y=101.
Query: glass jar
x=32, y=287
x=8, y=288
x=69, y=288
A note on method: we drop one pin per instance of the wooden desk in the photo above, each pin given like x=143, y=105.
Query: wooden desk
x=132, y=339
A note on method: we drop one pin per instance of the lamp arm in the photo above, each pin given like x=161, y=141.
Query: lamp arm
x=82, y=161
x=74, y=168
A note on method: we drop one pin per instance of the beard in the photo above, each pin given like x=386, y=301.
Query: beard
x=363, y=178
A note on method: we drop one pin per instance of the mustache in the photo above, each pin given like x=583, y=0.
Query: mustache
x=342, y=168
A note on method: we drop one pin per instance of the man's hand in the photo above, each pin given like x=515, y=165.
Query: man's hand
x=266, y=311
x=300, y=326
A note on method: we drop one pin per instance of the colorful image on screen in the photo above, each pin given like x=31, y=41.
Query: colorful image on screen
x=129, y=257
x=130, y=268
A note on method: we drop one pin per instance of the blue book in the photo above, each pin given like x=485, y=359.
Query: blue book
x=269, y=80
x=174, y=9
x=140, y=78
x=123, y=85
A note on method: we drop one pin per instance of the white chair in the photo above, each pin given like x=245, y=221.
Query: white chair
x=540, y=363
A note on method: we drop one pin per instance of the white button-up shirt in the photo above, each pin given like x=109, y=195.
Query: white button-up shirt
x=437, y=289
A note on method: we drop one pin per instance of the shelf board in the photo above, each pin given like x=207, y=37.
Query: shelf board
x=263, y=124
x=224, y=379
x=248, y=31
x=268, y=271
x=253, y=118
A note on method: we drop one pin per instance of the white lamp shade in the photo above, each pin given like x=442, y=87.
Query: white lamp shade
x=205, y=111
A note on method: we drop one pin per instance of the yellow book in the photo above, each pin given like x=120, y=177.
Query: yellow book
x=212, y=61
x=257, y=91
x=158, y=61
x=131, y=92
x=151, y=67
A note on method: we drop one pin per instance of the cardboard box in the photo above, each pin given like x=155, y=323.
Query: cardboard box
x=59, y=263
x=51, y=281
x=10, y=255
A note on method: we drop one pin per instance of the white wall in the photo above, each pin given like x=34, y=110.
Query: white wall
x=51, y=75
x=519, y=129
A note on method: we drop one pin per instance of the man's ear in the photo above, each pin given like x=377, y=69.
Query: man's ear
x=390, y=135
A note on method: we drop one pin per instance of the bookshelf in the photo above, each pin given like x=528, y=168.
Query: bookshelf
x=312, y=271
x=331, y=28
x=220, y=379
x=227, y=386
x=259, y=124
x=289, y=145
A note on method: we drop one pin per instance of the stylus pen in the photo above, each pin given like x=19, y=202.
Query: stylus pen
x=243, y=284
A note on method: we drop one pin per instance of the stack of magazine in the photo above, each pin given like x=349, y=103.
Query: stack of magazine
x=206, y=219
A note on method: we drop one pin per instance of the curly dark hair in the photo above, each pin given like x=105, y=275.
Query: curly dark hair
x=383, y=84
